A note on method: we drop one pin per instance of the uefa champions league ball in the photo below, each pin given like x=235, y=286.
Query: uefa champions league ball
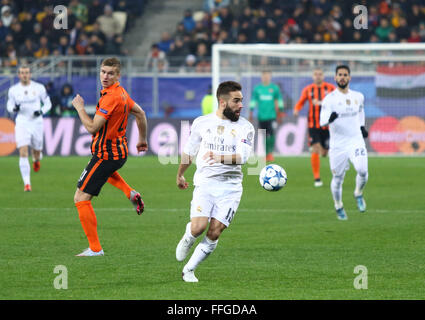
x=273, y=177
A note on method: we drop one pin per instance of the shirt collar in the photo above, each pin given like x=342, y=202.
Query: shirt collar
x=108, y=89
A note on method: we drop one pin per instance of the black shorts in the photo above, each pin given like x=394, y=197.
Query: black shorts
x=97, y=173
x=319, y=135
x=268, y=125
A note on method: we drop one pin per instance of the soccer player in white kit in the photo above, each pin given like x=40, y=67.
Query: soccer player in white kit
x=222, y=143
x=343, y=111
x=30, y=101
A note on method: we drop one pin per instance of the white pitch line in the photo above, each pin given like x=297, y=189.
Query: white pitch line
x=240, y=210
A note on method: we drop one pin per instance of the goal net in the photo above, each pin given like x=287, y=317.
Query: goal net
x=390, y=76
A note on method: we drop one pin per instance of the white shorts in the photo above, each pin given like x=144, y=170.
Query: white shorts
x=220, y=204
x=339, y=159
x=29, y=135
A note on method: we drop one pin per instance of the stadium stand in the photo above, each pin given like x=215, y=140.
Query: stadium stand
x=297, y=21
x=100, y=27
x=94, y=27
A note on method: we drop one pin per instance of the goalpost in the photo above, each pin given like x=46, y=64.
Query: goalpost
x=391, y=77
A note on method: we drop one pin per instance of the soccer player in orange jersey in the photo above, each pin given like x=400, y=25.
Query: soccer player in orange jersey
x=109, y=148
x=318, y=136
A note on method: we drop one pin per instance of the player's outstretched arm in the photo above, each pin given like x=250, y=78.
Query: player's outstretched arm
x=11, y=105
x=327, y=115
x=91, y=125
x=45, y=99
x=300, y=102
x=142, y=125
x=185, y=162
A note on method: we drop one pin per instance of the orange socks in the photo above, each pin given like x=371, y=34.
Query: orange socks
x=117, y=181
x=315, y=165
x=89, y=223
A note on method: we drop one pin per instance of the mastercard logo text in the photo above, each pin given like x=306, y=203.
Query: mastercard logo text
x=391, y=135
x=7, y=136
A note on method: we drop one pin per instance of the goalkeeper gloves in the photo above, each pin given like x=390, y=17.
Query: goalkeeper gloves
x=16, y=108
x=365, y=134
x=333, y=116
x=38, y=113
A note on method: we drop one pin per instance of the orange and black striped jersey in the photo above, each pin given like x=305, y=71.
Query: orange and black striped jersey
x=311, y=92
x=110, y=142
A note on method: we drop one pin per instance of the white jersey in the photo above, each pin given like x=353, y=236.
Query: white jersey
x=345, y=130
x=30, y=98
x=223, y=137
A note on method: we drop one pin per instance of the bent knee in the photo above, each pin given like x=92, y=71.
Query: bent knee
x=197, y=228
x=81, y=196
x=213, y=234
x=362, y=173
x=23, y=152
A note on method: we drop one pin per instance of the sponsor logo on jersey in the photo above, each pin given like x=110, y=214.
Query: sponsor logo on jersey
x=103, y=111
x=250, y=136
x=248, y=142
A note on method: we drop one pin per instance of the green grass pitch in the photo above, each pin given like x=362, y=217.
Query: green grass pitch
x=280, y=245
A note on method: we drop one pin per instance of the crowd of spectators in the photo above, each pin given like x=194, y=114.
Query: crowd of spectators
x=96, y=27
x=93, y=27
x=188, y=48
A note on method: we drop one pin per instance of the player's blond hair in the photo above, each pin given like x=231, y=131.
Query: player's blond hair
x=24, y=66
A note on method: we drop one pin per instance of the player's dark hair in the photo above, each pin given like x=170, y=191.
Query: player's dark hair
x=112, y=62
x=342, y=66
x=226, y=87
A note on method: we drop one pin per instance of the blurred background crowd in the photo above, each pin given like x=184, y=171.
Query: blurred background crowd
x=99, y=27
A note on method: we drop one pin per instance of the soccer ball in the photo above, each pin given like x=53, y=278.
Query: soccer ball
x=273, y=177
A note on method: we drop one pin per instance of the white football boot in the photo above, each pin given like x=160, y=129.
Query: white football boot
x=184, y=245
x=189, y=275
x=90, y=253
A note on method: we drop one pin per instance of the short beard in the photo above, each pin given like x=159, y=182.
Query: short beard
x=342, y=86
x=229, y=114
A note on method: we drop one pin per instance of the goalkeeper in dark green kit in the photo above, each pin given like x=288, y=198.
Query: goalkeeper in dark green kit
x=268, y=98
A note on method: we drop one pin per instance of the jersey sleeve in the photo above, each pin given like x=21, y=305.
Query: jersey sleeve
x=361, y=111
x=301, y=101
x=130, y=102
x=107, y=105
x=245, y=142
x=45, y=100
x=191, y=147
x=325, y=111
x=10, y=101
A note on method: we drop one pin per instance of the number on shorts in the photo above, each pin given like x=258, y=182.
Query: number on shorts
x=360, y=152
x=230, y=215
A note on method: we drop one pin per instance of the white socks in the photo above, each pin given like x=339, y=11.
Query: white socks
x=336, y=189
x=202, y=251
x=24, y=166
x=188, y=234
x=361, y=179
